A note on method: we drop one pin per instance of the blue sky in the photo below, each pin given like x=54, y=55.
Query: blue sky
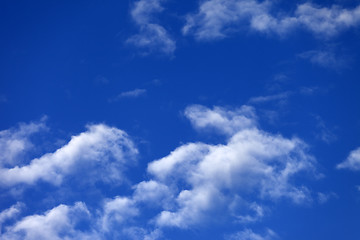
x=159, y=119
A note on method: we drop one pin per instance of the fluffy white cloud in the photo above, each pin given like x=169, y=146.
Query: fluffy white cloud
x=352, y=162
x=15, y=141
x=152, y=192
x=117, y=211
x=221, y=119
x=100, y=147
x=217, y=18
x=234, y=180
x=57, y=223
x=109, y=221
x=212, y=177
x=151, y=36
x=10, y=213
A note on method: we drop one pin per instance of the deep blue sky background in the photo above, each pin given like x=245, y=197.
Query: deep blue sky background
x=69, y=61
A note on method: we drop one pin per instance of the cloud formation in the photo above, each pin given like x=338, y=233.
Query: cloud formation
x=152, y=37
x=129, y=94
x=282, y=97
x=221, y=119
x=238, y=178
x=14, y=142
x=216, y=19
x=251, y=163
x=352, y=162
x=57, y=223
x=100, y=146
x=248, y=234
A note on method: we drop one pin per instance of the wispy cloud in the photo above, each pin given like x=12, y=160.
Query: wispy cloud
x=129, y=94
x=152, y=37
x=133, y=93
x=326, y=58
x=100, y=79
x=325, y=197
x=277, y=97
x=324, y=134
x=218, y=18
x=248, y=234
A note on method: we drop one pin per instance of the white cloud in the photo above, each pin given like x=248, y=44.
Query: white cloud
x=248, y=234
x=252, y=162
x=325, y=197
x=14, y=142
x=137, y=233
x=10, y=213
x=352, y=162
x=277, y=97
x=111, y=221
x=152, y=36
x=221, y=119
x=152, y=192
x=244, y=211
x=324, y=58
x=100, y=146
x=57, y=223
x=327, y=21
x=217, y=18
x=235, y=181
x=117, y=211
x=132, y=94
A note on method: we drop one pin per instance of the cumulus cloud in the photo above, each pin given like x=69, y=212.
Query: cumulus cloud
x=221, y=119
x=16, y=141
x=100, y=147
x=10, y=213
x=117, y=211
x=152, y=37
x=216, y=19
x=352, y=162
x=152, y=192
x=235, y=181
x=112, y=220
x=57, y=223
x=251, y=162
